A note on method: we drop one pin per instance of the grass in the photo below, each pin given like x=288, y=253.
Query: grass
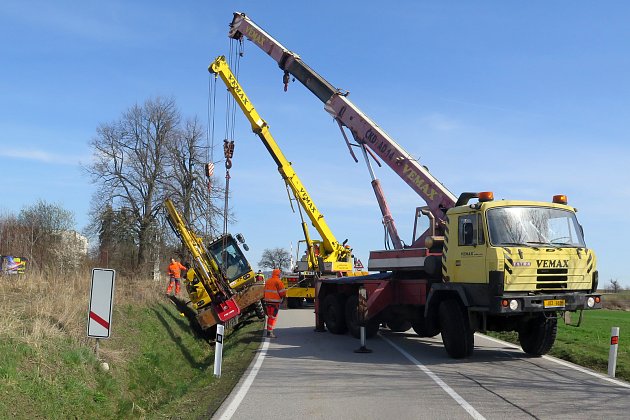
x=589, y=344
x=619, y=300
x=159, y=368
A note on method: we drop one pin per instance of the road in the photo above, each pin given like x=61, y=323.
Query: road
x=304, y=374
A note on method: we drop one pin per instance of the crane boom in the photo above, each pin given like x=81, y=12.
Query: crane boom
x=364, y=130
x=332, y=251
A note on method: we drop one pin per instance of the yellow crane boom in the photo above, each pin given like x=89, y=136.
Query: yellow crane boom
x=217, y=287
x=335, y=256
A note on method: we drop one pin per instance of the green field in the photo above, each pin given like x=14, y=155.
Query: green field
x=589, y=344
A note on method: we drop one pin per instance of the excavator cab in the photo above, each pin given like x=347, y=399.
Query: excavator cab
x=232, y=262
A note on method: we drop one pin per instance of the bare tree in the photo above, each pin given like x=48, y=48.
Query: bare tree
x=187, y=184
x=275, y=258
x=44, y=224
x=129, y=166
x=40, y=233
x=116, y=239
x=614, y=286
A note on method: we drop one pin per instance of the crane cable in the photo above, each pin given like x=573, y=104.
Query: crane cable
x=210, y=133
x=236, y=51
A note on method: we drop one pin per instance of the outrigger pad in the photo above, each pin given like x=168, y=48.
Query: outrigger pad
x=227, y=310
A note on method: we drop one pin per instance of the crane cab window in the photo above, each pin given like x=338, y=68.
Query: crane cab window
x=470, y=232
x=229, y=258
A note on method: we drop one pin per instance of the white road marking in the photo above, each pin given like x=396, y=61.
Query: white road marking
x=247, y=383
x=564, y=363
x=450, y=391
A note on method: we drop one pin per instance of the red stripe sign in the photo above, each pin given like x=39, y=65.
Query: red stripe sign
x=101, y=303
x=99, y=320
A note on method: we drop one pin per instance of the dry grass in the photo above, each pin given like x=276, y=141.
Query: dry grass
x=619, y=301
x=37, y=306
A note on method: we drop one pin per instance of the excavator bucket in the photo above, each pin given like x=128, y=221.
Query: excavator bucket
x=227, y=310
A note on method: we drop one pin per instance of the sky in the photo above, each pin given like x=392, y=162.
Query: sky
x=525, y=99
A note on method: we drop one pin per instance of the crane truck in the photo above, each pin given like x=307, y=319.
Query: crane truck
x=221, y=283
x=485, y=265
x=323, y=257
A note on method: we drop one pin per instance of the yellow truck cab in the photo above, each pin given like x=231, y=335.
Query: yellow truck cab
x=519, y=246
x=511, y=266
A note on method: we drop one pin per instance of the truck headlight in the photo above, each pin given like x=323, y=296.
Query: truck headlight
x=514, y=304
x=590, y=302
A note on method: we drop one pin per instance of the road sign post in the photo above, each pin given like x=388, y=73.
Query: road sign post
x=612, y=354
x=362, y=317
x=218, y=350
x=101, y=303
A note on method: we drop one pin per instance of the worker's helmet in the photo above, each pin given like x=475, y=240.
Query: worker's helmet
x=259, y=271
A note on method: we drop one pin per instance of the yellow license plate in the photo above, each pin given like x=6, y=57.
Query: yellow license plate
x=554, y=303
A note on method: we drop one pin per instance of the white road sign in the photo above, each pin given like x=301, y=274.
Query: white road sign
x=101, y=302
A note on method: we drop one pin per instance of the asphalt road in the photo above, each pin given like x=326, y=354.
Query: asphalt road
x=304, y=374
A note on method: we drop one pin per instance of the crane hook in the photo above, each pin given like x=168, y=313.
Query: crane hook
x=285, y=80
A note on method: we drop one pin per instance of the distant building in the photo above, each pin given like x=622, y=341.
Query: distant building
x=74, y=242
x=72, y=248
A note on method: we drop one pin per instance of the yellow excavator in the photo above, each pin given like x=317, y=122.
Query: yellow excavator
x=322, y=257
x=221, y=284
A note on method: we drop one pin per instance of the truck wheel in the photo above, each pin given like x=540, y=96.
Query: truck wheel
x=399, y=325
x=423, y=329
x=537, y=335
x=352, y=320
x=333, y=312
x=295, y=303
x=260, y=311
x=457, y=335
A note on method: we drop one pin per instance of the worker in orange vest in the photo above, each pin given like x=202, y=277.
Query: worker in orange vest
x=274, y=293
x=174, y=273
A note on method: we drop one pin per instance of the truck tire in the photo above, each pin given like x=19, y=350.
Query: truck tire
x=423, y=329
x=260, y=311
x=537, y=335
x=352, y=320
x=457, y=334
x=334, y=314
x=295, y=303
x=399, y=325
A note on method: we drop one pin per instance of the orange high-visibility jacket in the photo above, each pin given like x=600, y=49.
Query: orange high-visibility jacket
x=274, y=288
x=175, y=270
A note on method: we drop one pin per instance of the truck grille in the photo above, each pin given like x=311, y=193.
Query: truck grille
x=552, y=278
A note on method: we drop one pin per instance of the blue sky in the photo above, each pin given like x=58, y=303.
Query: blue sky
x=526, y=99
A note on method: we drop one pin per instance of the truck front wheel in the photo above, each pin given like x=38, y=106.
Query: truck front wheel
x=424, y=328
x=333, y=312
x=538, y=334
x=457, y=334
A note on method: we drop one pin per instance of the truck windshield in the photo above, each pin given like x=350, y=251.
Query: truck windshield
x=534, y=226
x=229, y=257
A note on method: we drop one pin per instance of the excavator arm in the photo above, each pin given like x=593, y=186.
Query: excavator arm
x=332, y=252
x=217, y=287
x=365, y=131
